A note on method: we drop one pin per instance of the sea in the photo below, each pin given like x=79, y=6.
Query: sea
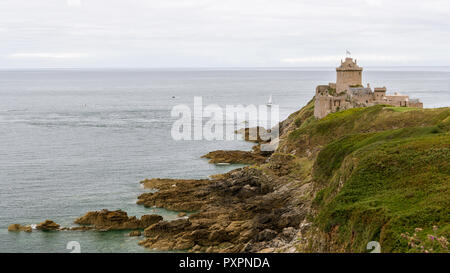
x=78, y=140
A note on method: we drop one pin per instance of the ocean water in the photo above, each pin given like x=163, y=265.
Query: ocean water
x=73, y=141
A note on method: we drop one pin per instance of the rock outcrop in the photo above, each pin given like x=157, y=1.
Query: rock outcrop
x=135, y=233
x=175, y=194
x=242, y=211
x=255, y=134
x=235, y=157
x=116, y=220
x=48, y=225
x=18, y=227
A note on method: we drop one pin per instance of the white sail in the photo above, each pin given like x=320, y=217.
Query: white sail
x=270, y=101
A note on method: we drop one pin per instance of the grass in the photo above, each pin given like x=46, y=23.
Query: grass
x=402, y=109
x=311, y=133
x=378, y=185
x=382, y=171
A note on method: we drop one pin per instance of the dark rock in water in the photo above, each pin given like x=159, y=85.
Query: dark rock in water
x=18, y=227
x=175, y=194
x=116, y=220
x=135, y=233
x=234, y=157
x=80, y=228
x=236, y=212
x=47, y=225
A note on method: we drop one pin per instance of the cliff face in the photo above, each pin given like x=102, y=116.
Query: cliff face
x=378, y=172
x=333, y=185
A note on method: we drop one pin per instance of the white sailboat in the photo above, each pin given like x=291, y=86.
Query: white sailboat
x=269, y=103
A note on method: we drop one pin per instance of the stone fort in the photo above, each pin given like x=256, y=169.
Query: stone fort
x=348, y=92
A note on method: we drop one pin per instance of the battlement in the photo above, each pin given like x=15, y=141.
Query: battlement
x=349, y=74
x=349, y=65
x=379, y=89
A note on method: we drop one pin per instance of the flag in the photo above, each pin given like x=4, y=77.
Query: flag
x=348, y=52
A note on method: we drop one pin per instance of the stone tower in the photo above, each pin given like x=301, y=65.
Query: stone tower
x=349, y=74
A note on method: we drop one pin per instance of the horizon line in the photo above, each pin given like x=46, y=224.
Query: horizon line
x=213, y=67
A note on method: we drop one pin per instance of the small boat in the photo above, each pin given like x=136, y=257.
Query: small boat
x=269, y=103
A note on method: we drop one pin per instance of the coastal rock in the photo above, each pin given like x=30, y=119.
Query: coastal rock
x=150, y=219
x=18, y=227
x=135, y=233
x=168, y=227
x=266, y=235
x=281, y=164
x=182, y=214
x=80, y=228
x=243, y=183
x=235, y=157
x=267, y=250
x=255, y=134
x=187, y=195
x=237, y=212
x=288, y=233
x=116, y=220
x=47, y=225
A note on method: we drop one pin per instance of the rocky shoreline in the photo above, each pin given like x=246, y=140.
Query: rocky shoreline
x=296, y=199
x=244, y=210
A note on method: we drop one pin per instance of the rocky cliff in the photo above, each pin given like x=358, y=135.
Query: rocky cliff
x=333, y=185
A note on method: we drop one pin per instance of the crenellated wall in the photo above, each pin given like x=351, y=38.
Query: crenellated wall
x=349, y=74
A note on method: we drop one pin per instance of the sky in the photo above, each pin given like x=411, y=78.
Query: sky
x=222, y=33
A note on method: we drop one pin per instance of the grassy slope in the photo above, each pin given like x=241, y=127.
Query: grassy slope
x=383, y=171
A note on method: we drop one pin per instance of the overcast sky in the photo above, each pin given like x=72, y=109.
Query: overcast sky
x=222, y=33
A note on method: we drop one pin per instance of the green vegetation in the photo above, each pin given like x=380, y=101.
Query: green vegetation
x=306, y=113
x=426, y=241
x=391, y=186
x=332, y=91
x=402, y=109
x=361, y=120
x=383, y=171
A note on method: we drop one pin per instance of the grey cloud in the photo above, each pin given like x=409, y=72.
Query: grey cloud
x=176, y=33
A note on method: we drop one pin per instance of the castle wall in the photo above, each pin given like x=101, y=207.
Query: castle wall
x=326, y=103
x=397, y=100
x=417, y=104
x=379, y=93
x=322, y=106
x=348, y=78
